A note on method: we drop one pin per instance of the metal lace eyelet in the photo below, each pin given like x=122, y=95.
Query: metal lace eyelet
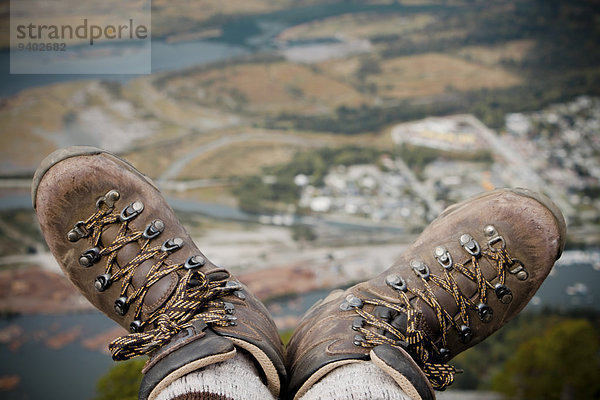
x=121, y=305
x=229, y=307
x=240, y=295
x=396, y=282
x=470, y=245
x=519, y=270
x=466, y=334
x=78, y=232
x=136, y=326
x=354, y=301
x=444, y=354
x=171, y=245
x=495, y=241
x=90, y=257
x=232, y=286
x=194, y=262
x=420, y=268
x=503, y=293
x=108, y=199
x=490, y=231
x=154, y=229
x=485, y=312
x=102, y=282
x=131, y=211
x=443, y=257
x=358, y=340
x=358, y=323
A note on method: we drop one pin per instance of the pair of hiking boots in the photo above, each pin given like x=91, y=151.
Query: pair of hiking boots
x=473, y=269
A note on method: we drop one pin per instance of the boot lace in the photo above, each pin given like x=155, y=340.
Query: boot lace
x=398, y=325
x=195, y=298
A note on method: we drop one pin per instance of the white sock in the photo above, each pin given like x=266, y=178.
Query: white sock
x=235, y=379
x=356, y=381
x=238, y=379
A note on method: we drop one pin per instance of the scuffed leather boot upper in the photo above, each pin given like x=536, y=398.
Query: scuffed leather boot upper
x=120, y=243
x=473, y=269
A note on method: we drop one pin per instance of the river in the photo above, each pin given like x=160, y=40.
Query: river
x=46, y=368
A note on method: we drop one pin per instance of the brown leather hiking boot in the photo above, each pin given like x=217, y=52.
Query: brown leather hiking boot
x=473, y=269
x=120, y=243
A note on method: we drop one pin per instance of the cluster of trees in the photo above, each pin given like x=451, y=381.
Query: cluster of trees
x=121, y=382
x=349, y=120
x=561, y=363
x=537, y=357
x=418, y=157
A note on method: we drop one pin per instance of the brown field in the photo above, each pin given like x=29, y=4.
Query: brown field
x=344, y=69
x=514, y=50
x=266, y=89
x=155, y=158
x=358, y=25
x=249, y=157
x=202, y=10
x=238, y=159
x=433, y=74
x=172, y=112
x=152, y=161
x=425, y=36
x=29, y=112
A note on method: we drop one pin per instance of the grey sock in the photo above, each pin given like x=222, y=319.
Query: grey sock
x=356, y=381
x=235, y=379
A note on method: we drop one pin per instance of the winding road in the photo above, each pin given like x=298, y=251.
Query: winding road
x=175, y=168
